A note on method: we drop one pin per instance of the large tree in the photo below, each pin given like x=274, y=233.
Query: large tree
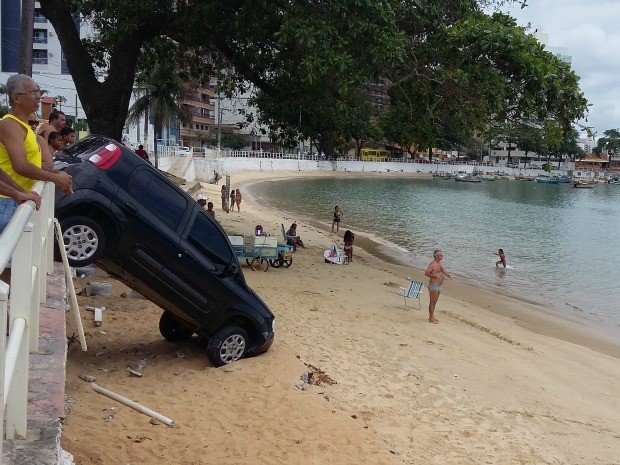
x=465, y=70
x=286, y=48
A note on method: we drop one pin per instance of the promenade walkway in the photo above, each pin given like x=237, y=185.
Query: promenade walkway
x=46, y=388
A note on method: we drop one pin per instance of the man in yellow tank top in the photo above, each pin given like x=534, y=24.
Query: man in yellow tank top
x=20, y=156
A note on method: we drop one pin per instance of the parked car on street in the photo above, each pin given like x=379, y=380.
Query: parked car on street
x=143, y=229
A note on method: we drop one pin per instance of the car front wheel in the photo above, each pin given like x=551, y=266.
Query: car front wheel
x=84, y=240
x=227, y=345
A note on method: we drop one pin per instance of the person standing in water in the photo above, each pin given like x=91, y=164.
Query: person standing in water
x=337, y=217
x=435, y=272
x=502, y=258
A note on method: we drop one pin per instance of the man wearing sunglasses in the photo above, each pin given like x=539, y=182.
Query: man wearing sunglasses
x=20, y=154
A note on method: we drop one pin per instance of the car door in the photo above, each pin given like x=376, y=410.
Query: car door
x=156, y=213
x=207, y=262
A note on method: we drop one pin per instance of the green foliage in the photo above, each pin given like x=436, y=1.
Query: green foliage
x=452, y=69
x=609, y=144
x=233, y=141
x=159, y=94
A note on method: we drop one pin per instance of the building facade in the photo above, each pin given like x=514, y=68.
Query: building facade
x=49, y=66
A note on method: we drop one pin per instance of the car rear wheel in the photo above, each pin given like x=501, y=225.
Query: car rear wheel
x=84, y=240
x=227, y=345
x=172, y=328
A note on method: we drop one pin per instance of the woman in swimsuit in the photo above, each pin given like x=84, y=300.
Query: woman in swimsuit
x=238, y=200
x=349, y=238
x=233, y=198
x=337, y=215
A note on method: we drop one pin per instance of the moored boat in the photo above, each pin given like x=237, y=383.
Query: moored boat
x=583, y=184
x=488, y=178
x=469, y=178
x=524, y=178
x=564, y=179
x=547, y=179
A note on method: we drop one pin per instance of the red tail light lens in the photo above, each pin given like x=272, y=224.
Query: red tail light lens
x=106, y=157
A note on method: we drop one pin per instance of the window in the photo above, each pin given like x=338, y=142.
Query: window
x=38, y=17
x=163, y=200
x=208, y=239
x=39, y=57
x=39, y=36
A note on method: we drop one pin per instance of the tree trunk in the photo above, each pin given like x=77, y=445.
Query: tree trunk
x=25, y=37
x=105, y=103
x=156, y=130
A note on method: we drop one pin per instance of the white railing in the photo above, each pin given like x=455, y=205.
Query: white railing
x=28, y=242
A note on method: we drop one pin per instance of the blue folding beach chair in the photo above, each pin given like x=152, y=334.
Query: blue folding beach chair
x=414, y=291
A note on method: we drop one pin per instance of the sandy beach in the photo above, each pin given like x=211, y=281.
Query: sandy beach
x=497, y=381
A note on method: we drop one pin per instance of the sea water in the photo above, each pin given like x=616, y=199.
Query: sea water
x=561, y=243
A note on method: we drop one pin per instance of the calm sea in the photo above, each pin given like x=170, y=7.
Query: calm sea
x=561, y=243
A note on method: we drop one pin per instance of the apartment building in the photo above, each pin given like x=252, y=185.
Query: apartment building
x=49, y=66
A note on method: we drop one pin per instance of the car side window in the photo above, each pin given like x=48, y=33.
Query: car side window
x=208, y=239
x=160, y=198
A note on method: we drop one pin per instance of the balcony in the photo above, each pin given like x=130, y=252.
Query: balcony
x=39, y=40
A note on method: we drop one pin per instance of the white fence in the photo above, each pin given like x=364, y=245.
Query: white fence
x=28, y=242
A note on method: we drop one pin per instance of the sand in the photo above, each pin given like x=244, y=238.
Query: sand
x=497, y=381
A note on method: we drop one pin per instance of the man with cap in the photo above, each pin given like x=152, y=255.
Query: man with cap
x=202, y=200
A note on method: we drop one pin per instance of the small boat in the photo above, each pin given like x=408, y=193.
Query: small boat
x=547, y=179
x=614, y=180
x=583, y=184
x=469, y=178
x=488, y=178
x=524, y=178
x=564, y=179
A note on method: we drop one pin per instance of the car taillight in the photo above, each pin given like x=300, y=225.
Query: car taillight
x=106, y=157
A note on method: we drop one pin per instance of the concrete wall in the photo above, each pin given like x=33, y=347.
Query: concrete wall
x=201, y=169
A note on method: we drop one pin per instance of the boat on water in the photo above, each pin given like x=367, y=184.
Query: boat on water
x=583, y=184
x=469, y=178
x=614, y=180
x=542, y=179
x=564, y=179
x=488, y=178
x=524, y=178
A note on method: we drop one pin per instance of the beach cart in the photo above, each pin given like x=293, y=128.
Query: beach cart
x=258, y=254
x=285, y=256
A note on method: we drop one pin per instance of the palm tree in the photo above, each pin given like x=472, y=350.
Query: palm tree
x=160, y=91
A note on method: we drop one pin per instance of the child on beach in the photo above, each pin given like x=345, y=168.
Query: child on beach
x=502, y=258
x=349, y=238
x=337, y=216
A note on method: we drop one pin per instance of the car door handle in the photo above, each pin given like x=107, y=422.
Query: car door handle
x=131, y=207
x=188, y=254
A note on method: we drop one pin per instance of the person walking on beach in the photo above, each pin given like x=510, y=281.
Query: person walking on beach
x=502, y=258
x=233, y=198
x=337, y=217
x=435, y=272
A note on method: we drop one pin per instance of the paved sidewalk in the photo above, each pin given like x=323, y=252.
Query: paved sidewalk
x=46, y=387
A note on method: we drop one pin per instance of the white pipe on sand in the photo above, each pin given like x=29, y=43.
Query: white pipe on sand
x=134, y=405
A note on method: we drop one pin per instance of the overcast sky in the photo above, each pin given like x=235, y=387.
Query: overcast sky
x=590, y=30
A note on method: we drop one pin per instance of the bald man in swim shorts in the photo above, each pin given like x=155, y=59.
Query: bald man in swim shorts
x=435, y=272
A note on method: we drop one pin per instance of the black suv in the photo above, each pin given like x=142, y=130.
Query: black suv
x=143, y=229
